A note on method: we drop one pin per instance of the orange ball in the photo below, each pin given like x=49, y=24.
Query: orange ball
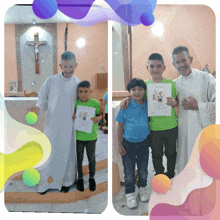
x=161, y=183
x=210, y=134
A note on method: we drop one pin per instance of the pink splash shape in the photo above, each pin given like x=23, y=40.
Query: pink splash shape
x=199, y=202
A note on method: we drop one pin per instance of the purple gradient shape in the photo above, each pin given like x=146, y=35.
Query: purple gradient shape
x=98, y=15
x=44, y=9
x=132, y=12
x=168, y=218
x=147, y=19
x=75, y=9
x=189, y=208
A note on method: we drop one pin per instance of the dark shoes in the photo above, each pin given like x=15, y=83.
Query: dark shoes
x=158, y=174
x=92, y=184
x=80, y=185
x=65, y=189
x=42, y=193
x=170, y=176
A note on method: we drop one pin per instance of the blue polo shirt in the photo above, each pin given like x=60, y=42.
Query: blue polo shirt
x=135, y=120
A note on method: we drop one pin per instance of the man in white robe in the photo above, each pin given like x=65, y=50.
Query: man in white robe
x=196, y=94
x=57, y=96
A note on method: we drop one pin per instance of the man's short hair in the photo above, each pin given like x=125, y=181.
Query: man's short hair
x=156, y=56
x=68, y=55
x=136, y=82
x=85, y=84
x=180, y=49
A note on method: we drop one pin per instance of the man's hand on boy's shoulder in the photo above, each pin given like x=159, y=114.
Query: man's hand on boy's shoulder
x=172, y=102
x=121, y=150
x=124, y=103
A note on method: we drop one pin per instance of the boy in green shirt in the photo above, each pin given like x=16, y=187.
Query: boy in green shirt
x=84, y=139
x=163, y=129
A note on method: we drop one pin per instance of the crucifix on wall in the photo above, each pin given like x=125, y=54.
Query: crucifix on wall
x=36, y=43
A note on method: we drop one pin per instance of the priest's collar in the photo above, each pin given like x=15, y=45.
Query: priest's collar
x=65, y=78
x=190, y=75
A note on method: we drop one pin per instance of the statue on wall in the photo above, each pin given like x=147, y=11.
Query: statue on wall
x=36, y=43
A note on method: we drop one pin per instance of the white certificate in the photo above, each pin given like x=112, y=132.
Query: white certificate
x=156, y=99
x=83, y=120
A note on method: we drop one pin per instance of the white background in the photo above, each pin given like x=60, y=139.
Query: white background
x=109, y=212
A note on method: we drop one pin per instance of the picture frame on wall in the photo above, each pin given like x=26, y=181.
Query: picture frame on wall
x=13, y=86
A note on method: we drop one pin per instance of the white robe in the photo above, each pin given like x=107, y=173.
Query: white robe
x=199, y=85
x=57, y=96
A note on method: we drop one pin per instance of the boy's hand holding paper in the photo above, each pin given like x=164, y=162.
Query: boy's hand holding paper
x=96, y=119
x=171, y=101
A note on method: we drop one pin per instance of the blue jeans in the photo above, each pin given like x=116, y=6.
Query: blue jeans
x=135, y=153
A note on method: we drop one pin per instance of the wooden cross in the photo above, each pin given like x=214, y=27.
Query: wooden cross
x=36, y=43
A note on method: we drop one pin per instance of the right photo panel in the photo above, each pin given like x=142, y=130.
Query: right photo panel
x=163, y=110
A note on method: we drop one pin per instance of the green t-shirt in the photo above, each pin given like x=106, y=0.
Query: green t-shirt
x=161, y=123
x=83, y=136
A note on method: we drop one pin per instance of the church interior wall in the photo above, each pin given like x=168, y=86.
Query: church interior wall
x=10, y=56
x=91, y=59
x=189, y=25
x=95, y=52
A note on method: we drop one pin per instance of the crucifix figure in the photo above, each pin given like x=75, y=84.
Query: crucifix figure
x=36, y=43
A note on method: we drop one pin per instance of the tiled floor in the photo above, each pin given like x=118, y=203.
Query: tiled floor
x=95, y=204
x=119, y=201
x=19, y=186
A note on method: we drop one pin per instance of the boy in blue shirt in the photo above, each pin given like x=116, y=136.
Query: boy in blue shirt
x=133, y=141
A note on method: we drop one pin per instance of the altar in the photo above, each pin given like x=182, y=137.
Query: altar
x=17, y=109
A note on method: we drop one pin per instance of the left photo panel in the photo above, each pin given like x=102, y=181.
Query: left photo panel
x=55, y=113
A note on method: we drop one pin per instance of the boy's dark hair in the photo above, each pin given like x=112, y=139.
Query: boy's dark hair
x=136, y=82
x=180, y=49
x=156, y=56
x=85, y=84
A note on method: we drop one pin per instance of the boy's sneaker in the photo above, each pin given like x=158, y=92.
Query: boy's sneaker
x=80, y=185
x=92, y=184
x=144, y=196
x=131, y=201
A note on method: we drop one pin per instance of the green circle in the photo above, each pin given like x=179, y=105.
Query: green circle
x=31, y=177
x=31, y=118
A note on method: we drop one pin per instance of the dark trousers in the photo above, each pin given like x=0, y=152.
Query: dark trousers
x=166, y=138
x=106, y=118
x=135, y=153
x=90, y=151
